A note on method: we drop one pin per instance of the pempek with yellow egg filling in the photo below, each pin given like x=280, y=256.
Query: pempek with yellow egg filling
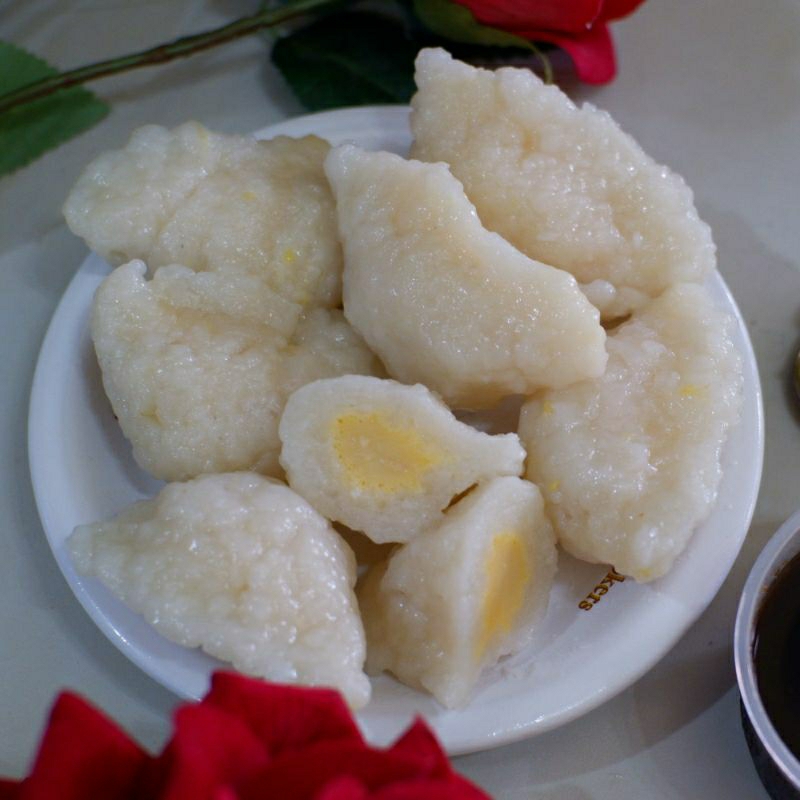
x=197, y=374
x=216, y=203
x=238, y=565
x=448, y=605
x=444, y=302
x=563, y=183
x=384, y=458
x=630, y=463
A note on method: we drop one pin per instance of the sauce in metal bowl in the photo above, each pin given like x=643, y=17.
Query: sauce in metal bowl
x=776, y=652
x=766, y=646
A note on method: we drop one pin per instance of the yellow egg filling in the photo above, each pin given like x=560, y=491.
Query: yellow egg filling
x=379, y=456
x=507, y=572
x=691, y=390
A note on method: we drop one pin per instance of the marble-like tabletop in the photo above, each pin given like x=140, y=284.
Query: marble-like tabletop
x=711, y=88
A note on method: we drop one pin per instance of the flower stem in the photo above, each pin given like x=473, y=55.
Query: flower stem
x=185, y=46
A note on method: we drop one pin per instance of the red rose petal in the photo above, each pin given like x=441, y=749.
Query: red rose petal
x=210, y=751
x=9, y=790
x=575, y=16
x=344, y=788
x=419, y=742
x=578, y=27
x=283, y=718
x=220, y=751
x=614, y=9
x=82, y=755
x=592, y=53
x=301, y=775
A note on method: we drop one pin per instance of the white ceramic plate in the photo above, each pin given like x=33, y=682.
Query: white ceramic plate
x=83, y=471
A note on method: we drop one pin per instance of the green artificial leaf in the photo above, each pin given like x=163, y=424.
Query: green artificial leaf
x=32, y=129
x=348, y=59
x=456, y=23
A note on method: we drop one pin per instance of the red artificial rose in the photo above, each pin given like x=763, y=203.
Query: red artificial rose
x=82, y=755
x=578, y=26
x=246, y=740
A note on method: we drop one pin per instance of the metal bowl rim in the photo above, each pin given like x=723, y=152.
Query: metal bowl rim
x=779, y=549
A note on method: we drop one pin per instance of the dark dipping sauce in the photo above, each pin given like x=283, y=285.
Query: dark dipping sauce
x=776, y=653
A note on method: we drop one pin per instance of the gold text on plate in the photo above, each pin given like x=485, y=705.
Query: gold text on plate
x=594, y=597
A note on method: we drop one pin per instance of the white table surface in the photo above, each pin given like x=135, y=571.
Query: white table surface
x=711, y=88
